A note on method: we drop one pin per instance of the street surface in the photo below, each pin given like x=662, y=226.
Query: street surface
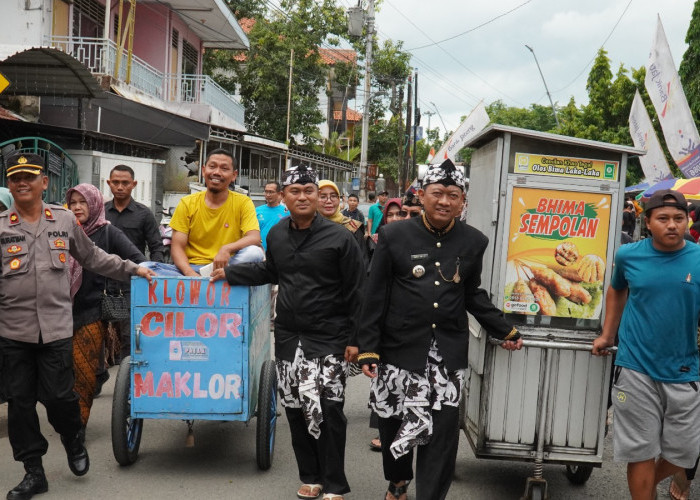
x=222, y=463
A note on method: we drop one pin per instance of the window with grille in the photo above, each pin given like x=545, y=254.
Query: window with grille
x=189, y=58
x=175, y=38
x=88, y=19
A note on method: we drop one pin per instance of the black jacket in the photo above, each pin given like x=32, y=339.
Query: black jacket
x=139, y=225
x=402, y=311
x=87, y=302
x=320, y=272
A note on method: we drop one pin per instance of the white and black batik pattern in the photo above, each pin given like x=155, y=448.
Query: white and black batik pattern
x=411, y=396
x=302, y=383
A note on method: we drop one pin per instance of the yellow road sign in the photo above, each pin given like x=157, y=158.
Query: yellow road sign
x=4, y=83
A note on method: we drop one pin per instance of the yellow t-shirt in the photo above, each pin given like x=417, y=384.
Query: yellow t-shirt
x=210, y=229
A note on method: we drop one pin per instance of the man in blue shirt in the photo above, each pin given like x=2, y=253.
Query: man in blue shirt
x=272, y=211
x=374, y=217
x=653, y=304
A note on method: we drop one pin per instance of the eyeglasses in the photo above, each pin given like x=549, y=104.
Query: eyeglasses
x=325, y=197
x=414, y=214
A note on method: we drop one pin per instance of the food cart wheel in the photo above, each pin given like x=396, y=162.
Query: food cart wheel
x=578, y=474
x=267, y=415
x=537, y=492
x=126, y=431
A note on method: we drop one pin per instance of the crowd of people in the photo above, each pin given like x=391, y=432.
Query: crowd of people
x=385, y=295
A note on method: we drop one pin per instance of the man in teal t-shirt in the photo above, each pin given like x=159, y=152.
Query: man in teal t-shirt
x=653, y=304
x=272, y=211
x=376, y=211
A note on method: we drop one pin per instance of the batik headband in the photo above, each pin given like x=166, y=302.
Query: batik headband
x=300, y=174
x=445, y=173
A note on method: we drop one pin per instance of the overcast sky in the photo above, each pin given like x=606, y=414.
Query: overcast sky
x=491, y=62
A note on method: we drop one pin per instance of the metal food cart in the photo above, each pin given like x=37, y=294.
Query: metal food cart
x=552, y=207
x=200, y=350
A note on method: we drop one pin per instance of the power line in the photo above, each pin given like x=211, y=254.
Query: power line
x=469, y=30
x=601, y=46
x=451, y=56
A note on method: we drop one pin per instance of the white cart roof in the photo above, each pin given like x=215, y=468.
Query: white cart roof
x=492, y=131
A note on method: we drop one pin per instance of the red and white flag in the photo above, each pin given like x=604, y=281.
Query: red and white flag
x=666, y=93
x=654, y=163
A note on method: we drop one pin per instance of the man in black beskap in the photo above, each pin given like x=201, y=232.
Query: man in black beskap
x=319, y=268
x=425, y=277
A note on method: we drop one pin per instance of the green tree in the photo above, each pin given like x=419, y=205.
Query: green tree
x=689, y=70
x=261, y=75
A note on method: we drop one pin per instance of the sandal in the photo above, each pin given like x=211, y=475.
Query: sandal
x=375, y=444
x=396, y=491
x=309, y=491
x=679, y=489
x=332, y=496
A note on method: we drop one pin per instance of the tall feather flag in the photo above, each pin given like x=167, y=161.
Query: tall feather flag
x=666, y=93
x=472, y=125
x=644, y=137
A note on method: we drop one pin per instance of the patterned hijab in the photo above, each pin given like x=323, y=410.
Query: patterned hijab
x=96, y=219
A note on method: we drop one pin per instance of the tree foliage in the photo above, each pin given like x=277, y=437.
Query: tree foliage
x=689, y=70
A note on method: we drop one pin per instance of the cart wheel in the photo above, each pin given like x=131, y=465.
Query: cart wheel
x=267, y=415
x=578, y=474
x=126, y=431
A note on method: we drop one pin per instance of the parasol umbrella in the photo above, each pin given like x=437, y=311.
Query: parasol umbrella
x=690, y=188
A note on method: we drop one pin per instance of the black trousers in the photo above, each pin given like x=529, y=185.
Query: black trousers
x=322, y=460
x=38, y=372
x=435, y=461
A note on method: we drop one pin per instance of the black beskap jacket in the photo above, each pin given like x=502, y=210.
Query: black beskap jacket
x=403, y=311
x=320, y=272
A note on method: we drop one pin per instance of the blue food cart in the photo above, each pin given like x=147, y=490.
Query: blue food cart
x=200, y=350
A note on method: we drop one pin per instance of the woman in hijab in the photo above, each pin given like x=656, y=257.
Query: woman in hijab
x=87, y=289
x=329, y=207
x=5, y=199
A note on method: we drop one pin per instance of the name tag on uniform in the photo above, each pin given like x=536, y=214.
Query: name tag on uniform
x=419, y=256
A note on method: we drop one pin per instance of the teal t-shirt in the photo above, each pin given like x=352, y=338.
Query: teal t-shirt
x=658, y=330
x=376, y=212
x=268, y=217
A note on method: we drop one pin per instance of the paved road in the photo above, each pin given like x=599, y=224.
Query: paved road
x=222, y=464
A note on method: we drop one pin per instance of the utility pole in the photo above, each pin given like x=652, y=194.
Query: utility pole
x=554, y=110
x=416, y=122
x=289, y=102
x=428, y=114
x=407, y=139
x=365, y=113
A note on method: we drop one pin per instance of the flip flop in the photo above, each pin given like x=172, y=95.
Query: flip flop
x=317, y=488
x=332, y=496
x=679, y=489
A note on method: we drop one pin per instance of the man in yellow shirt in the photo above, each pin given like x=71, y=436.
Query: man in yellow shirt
x=216, y=226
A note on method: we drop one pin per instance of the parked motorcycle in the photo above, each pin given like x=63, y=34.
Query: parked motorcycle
x=166, y=233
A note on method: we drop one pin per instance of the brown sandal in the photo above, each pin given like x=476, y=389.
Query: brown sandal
x=396, y=491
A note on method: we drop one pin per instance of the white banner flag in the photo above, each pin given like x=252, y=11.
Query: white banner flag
x=644, y=137
x=671, y=106
x=473, y=124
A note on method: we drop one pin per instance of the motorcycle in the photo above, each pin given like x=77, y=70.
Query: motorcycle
x=166, y=233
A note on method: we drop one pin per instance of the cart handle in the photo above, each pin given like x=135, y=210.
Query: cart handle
x=553, y=344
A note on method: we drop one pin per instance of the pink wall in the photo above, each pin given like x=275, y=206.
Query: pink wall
x=152, y=35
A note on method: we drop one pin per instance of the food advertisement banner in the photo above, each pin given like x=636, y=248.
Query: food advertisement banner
x=557, y=246
x=561, y=166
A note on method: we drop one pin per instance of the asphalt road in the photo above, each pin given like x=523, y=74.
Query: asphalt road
x=222, y=463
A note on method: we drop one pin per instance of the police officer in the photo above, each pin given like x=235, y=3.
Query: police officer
x=425, y=276
x=36, y=322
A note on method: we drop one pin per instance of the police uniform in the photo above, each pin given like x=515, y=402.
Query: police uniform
x=36, y=324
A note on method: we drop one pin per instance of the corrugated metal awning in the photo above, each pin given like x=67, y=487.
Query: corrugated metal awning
x=44, y=71
x=213, y=22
